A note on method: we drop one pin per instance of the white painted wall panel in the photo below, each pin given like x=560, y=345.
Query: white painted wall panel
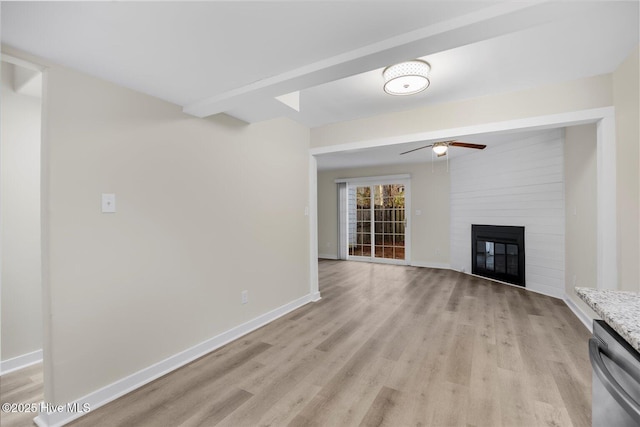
x=21, y=296
x=166, y=272
x=519, y=183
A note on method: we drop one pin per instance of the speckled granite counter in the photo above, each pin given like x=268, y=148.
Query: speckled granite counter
x=619, y=309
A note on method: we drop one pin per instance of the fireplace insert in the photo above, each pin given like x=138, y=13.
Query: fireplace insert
x=497, y=252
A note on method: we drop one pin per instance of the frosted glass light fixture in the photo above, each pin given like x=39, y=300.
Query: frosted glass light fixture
x=440, y=148
x=406, y=78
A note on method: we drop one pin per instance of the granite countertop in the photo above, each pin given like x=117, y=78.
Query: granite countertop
x=619, y=309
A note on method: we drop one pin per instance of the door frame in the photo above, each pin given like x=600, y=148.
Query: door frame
x=404, y=179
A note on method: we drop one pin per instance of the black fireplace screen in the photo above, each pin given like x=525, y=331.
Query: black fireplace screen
x=498, y=252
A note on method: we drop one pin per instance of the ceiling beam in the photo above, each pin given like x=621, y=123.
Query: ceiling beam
x=494, y=21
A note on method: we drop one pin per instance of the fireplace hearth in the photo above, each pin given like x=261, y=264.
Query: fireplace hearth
x=498, y=253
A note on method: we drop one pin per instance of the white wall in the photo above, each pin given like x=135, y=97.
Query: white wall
x=582, y=94
x=429, y=194
x=206, y=208
x=518, y=183
x=626, y=99
x=21, y=327
x=581, y=211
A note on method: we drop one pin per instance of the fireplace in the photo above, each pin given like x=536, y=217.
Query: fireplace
x=498, y=252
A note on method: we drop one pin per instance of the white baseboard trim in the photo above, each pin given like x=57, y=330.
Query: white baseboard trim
x=121, y=387
x=20, y=362
x=430, y=265
x=327, y=256
x=584, y=318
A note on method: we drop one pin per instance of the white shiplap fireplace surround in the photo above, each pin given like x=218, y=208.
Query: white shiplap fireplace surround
x=520, y=183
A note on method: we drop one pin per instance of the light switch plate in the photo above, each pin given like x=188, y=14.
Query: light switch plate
x=108, y=203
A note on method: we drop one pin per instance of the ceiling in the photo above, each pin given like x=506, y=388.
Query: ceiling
x=586, y=43
x=236, y=57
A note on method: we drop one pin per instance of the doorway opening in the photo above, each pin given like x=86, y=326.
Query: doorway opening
x=20, y=236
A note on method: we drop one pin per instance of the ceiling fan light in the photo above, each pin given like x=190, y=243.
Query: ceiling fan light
x=406, y=78
x=440, y=148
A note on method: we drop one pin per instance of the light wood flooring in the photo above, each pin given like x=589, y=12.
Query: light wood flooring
x=387, y=345
x=23, y=386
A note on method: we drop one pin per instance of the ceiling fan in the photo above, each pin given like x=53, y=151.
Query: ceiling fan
x=441, y=148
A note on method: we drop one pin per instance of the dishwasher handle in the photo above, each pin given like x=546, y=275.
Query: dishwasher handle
x=619, y=394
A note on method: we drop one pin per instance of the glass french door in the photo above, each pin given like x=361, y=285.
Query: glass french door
x=377, y=222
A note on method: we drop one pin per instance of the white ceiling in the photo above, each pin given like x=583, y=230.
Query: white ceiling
x=237, y=56
x=590, y=42
x=185, y=52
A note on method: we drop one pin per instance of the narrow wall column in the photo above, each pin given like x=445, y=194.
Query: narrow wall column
x=606, y=172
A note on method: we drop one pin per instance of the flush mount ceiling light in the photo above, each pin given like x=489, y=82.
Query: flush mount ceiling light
x=406, y=78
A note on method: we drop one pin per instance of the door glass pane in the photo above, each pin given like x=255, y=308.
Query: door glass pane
x=359, y=220
x=398, y=252
x=367, y=239
x=378, y=198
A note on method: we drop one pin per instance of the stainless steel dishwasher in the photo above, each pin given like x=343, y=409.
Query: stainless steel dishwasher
x=616, y=379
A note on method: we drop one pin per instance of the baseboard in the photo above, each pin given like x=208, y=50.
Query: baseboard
x=20, y=362
x=327, y=256
x=584, y=318
x=430, y=265
x=121, y=387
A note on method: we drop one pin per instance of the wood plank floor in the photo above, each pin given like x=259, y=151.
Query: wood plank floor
x=23, y=386
x=386, y=346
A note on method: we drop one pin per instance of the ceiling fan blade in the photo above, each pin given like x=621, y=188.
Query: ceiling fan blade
x=467, y=145
x=416, y=149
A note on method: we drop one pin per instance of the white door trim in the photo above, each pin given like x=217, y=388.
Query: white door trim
x=386, y=179
x=314, y=289
x=370, y=181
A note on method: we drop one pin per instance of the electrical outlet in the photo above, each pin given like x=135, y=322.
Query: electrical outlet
x=108, y=203
x=244, y=297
